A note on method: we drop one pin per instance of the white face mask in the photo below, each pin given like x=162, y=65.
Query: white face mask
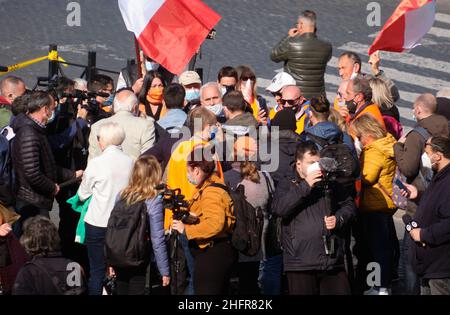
x=151, y=65
x=354, y=73
x=52, y=117
x=216, y=109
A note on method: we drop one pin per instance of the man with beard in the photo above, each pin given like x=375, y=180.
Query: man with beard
x=429, y=240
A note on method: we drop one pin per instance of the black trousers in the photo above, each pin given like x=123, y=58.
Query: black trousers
x=131, y=281
x=314, y=282
x=213, y=266
x=248, y=273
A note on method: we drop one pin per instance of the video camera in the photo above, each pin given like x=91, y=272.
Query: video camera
x=87, y=100
x=174, y=200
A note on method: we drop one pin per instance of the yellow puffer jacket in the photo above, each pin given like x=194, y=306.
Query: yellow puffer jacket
x=378, y=167
x=214, y=208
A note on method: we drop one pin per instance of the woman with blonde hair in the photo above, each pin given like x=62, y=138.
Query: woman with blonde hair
x=376, y=231
x=145, y=176
x=381, y=95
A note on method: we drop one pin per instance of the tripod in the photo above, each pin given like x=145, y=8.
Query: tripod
x=328, y=237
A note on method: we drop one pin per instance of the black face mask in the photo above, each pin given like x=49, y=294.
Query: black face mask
x=229, y=88
x=351, y=105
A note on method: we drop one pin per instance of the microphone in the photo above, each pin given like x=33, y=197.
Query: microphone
x=329, y=165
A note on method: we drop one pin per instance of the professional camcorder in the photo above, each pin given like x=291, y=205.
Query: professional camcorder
x=174, y=200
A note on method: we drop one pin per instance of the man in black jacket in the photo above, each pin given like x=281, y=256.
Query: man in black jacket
x=312, y=227
x=430, y=241
x=33, y=162
x=305, y=57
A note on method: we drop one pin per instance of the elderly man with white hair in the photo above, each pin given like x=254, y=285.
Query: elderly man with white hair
x=211, y=99
x=139, y=132
x=105, y=176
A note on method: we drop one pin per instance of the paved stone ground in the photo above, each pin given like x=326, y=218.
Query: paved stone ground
x=245, y=35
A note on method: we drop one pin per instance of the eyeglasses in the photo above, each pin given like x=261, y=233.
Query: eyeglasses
x=245, y=78
x=290, y=102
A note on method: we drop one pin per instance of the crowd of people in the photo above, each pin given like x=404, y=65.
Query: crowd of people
x=150, y=202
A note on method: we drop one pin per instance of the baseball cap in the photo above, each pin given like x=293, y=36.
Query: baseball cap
x=189, y=77
x=279, y=81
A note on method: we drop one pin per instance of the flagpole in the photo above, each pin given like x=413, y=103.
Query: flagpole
x=138, y=58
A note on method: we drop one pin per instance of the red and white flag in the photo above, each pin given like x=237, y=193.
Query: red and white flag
x=169, y=31
x=407, y=25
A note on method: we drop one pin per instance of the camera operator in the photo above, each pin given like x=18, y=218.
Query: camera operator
x=99, y=100
x=209, y=238
x=68, y=134
x=312, y=265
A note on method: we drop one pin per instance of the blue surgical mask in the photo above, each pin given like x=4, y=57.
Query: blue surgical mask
x=191, y=180
x=192, y=94
x=151, y=65
x=109, y=101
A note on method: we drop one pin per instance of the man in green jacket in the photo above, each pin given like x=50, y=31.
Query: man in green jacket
x=305, y=56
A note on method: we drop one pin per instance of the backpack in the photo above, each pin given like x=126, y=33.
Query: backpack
x=6, y=166
x=273, y=238
x=425, y=173
x=127, y=241
x=247, y=232
x=393, y=126
x=337, y=150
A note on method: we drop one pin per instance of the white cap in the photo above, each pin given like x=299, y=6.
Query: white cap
x=279, y=81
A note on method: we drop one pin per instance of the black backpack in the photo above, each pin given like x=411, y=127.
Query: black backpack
x=348, y=165
x=127, y=240
x=247, y=232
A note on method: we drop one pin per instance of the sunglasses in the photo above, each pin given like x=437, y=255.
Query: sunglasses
x=245, y=78
x=290, y=102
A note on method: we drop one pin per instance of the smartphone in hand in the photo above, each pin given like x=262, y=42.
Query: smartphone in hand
x=399, y=183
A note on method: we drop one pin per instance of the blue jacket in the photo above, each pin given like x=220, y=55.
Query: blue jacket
x=329, y=131
x=156, y=218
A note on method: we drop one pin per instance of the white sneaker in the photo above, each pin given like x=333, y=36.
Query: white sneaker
x=380, y=291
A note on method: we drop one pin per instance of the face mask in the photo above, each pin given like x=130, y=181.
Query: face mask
x=354, y=73
x=192, y=94
x=52, y=117
x=155, y=95
x=216, y=109
x=109, y=101
x=227, y=88
x=151, y=65
x=191, y=179
x=351, y=105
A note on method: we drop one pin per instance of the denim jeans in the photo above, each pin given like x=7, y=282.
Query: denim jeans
x=411, y=283
x=95, y=243
x=271, y=271
x=26, y=211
